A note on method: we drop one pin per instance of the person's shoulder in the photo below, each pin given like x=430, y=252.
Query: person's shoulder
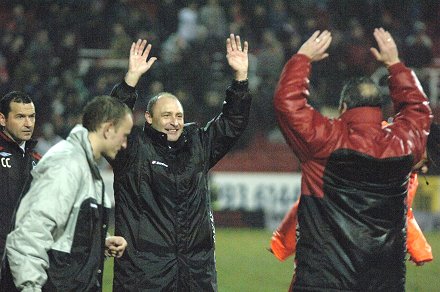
x=64, y=152
x=137, y=130
x=191, y=129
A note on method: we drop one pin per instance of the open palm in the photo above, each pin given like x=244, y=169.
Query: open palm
x=237, y=56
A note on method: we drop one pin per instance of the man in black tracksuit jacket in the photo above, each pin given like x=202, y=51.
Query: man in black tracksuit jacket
x=163, y=206
x=17, y=155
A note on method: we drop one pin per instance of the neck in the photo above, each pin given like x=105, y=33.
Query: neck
x=94, y=142
x=19, y=142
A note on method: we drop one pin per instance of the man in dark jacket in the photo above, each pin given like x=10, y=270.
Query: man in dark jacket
x=163, y=206
x=17, y=155
x=355, y=172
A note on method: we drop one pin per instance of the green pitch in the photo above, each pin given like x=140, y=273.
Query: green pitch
x=244, y=264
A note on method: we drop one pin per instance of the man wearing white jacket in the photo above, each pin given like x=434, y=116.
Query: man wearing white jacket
x=59, y=239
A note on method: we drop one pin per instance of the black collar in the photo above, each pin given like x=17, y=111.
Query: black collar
x=160, y=138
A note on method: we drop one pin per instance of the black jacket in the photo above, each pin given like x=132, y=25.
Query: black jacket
x=163, y=206
x=15, y=177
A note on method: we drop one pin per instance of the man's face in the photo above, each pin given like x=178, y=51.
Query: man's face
x=117, y=136
x=167, y=117
x=20, y=122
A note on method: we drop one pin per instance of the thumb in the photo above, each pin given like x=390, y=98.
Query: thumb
x=151, y=61
x=376, y=54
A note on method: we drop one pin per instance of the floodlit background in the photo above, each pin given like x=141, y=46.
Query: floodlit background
x=65, y=52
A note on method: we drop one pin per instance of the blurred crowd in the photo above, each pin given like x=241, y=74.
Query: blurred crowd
x=43, y=42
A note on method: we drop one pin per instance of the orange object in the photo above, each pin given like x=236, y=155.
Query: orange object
x=417, y=246
x=283, y=242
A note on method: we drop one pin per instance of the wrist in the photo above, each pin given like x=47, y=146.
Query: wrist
x=132, y=78
x=391, y=63
x=241, y=76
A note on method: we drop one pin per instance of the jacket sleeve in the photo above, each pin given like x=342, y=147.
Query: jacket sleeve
x=125, y=93
x=128, y=95
x=283, y=241
x=418, y=247
x=304, y=128
x=414, y=115
x=41, y=218
x=224, y=130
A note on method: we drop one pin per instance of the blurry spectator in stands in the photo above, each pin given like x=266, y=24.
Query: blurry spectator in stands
x=188, y=26
x=74, y=84
x=119, y=41
x=238, y=20
x=167, y=14
x=270, y=57
x=259, y=21
x=171, y=56
x=68, y=51
x=213, y=18
x=18, y=23
x=47, y=139
x=41, y=51
x=418, y=47
x=23, y=73
x=270, y=62
x=13, y=46
x=357, y=50
x=4, y=74
x=278, y=16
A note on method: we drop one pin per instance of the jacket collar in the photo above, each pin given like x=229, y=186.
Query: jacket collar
x=80, y=135
x=363, y=115
x=29, y=146
x=161, y=138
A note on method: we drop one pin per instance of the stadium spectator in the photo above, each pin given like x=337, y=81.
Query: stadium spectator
x=47, y=139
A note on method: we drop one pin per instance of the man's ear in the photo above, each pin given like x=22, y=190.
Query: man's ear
x=342, y=108
x=2, y=120
x=106, y=127
x=148, y=117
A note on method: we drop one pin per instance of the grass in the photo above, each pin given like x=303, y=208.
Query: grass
x=244, y=264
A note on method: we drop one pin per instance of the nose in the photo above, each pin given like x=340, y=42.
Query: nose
x=28, y=122
x=174, y=121
x=124, y=144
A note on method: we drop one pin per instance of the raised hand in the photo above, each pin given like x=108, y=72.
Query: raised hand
x=316, y=46
x=387, y=52
x=138, y=62
x=237, y=56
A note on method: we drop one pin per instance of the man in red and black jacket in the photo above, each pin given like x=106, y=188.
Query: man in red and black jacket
x=17, y=155
x=355, y=173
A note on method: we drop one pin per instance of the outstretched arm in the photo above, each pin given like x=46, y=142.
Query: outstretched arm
x=224, y=130
x=138, y=62
x=237, y=57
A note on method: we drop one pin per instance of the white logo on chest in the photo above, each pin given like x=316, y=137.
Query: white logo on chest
x=159, y=163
